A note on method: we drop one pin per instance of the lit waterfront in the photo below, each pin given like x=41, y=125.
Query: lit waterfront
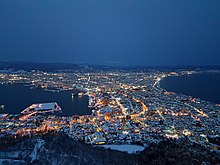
x=17, y=97
x=127, y=108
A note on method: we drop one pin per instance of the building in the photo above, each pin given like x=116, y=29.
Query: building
x=42, y=108
x=96, y=138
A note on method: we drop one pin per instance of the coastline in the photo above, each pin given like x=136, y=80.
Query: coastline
x=40, y=95
x=158, y=85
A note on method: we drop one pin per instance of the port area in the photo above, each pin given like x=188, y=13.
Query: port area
x=127, y=108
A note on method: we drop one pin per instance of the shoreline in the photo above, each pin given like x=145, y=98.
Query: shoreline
x=158, y=85
x=47, y=93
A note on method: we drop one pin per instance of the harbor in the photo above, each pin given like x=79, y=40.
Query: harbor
x=69, y=101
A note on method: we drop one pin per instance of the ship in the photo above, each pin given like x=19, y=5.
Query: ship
x=80, y=94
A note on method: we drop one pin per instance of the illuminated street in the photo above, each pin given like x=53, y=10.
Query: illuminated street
x=127, y=108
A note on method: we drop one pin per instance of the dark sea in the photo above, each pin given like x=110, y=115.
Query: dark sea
x=205, y=86
x=17, y=97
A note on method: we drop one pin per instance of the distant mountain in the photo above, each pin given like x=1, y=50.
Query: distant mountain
x=27, y=66
x=21, y=65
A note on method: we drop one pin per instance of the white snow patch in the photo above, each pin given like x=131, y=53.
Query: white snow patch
x=38, y=145
x=125, y=147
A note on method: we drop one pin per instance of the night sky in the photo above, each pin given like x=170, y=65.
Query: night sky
x=111, y=32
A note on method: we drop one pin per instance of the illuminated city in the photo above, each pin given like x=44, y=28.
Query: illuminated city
x=110, y=82
x=127, y=108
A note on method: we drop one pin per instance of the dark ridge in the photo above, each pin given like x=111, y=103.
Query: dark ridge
x=61, y=149
x=27, y=66
x=181, y=152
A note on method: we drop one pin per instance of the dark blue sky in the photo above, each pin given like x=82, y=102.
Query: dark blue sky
x=117, y=32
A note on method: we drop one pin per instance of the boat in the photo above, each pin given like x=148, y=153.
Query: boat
x=80, y=94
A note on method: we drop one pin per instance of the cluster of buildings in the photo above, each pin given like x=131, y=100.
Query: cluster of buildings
x=127, y=108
